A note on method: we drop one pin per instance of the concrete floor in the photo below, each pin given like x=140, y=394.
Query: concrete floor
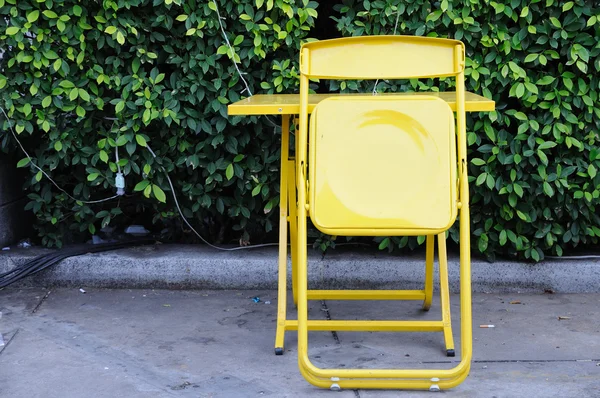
x=159, y=343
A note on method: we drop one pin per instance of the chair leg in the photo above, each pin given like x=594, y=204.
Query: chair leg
x=293, y=220
x=445, y=295
x=429, y=254
x=283, y=215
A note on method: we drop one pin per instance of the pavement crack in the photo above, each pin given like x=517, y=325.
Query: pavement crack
x=328, y=317
x=5, y=346
x=37, y=307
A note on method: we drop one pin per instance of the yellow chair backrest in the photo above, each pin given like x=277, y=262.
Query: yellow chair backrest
x=381, y=165
x=382, y=57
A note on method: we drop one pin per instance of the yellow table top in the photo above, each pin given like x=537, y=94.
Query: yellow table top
x=289, y=104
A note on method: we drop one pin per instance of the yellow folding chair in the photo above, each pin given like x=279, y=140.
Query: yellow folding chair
x=383, y=165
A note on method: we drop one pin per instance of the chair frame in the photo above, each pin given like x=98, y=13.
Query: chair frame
x=314, y=64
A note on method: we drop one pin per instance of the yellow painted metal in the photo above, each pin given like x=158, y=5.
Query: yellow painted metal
x=289, y=104
x=380, y=57
x=283, y=214
x=352, y=191
x=369, y=326
x=372, y=378
x=366, y=295
x=428, y=289
x=293, y=220
x=445, y=291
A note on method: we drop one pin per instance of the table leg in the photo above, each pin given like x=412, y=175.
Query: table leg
x=429, y=254
x=293, y=226
x=283, y=218
x=445, y=295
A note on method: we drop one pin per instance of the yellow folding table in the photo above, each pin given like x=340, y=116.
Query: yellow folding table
x=290, y=104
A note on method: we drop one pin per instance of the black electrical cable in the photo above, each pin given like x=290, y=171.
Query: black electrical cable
x=47, y=260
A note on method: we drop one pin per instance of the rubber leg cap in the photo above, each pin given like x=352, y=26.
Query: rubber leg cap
x=450, y=353
x=278, y=351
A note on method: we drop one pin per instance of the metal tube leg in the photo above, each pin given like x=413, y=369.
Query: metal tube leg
x=430, y=249
x=293, y=219
x=445, y=295
x=283, y=215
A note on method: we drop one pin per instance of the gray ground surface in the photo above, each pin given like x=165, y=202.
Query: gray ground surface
x=158, y=343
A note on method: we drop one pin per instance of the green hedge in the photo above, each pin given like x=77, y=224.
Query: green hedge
x=163, y=71
x=534, y=161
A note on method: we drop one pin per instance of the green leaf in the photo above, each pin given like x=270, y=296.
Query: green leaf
x=93, y=176
x=502, y=239
x=27, y=109
x=181, y=17
x=58, y=146
x=229, y=171
x=520, y=90
x=531, y=57
x=592, y=170
x=384, y=243
x=518, y=190
x=12, y=30
x=23, y=162
x=140, y=186
x=481, y=179
x=110, y=30
x=555, y=22
x=57, y=64
x=50, y=14
x=159, y=193
x=83, y=95
x=547, y=145
x=141, y=140
x=545, y=80
x=77, y=10
x=33, y=16
x=120, y=38
x=46, y=102
x=122, y=140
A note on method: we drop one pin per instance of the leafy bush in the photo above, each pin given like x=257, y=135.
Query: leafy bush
x=535, y=161
x=162, y=70
x=81, y=80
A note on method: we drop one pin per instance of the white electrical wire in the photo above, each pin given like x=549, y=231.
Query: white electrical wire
x=46, y=174
x=228, y=249
x=395, y=30
x=230, y=48
x=233, y=59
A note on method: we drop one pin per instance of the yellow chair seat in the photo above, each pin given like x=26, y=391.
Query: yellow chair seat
x=382, y=165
